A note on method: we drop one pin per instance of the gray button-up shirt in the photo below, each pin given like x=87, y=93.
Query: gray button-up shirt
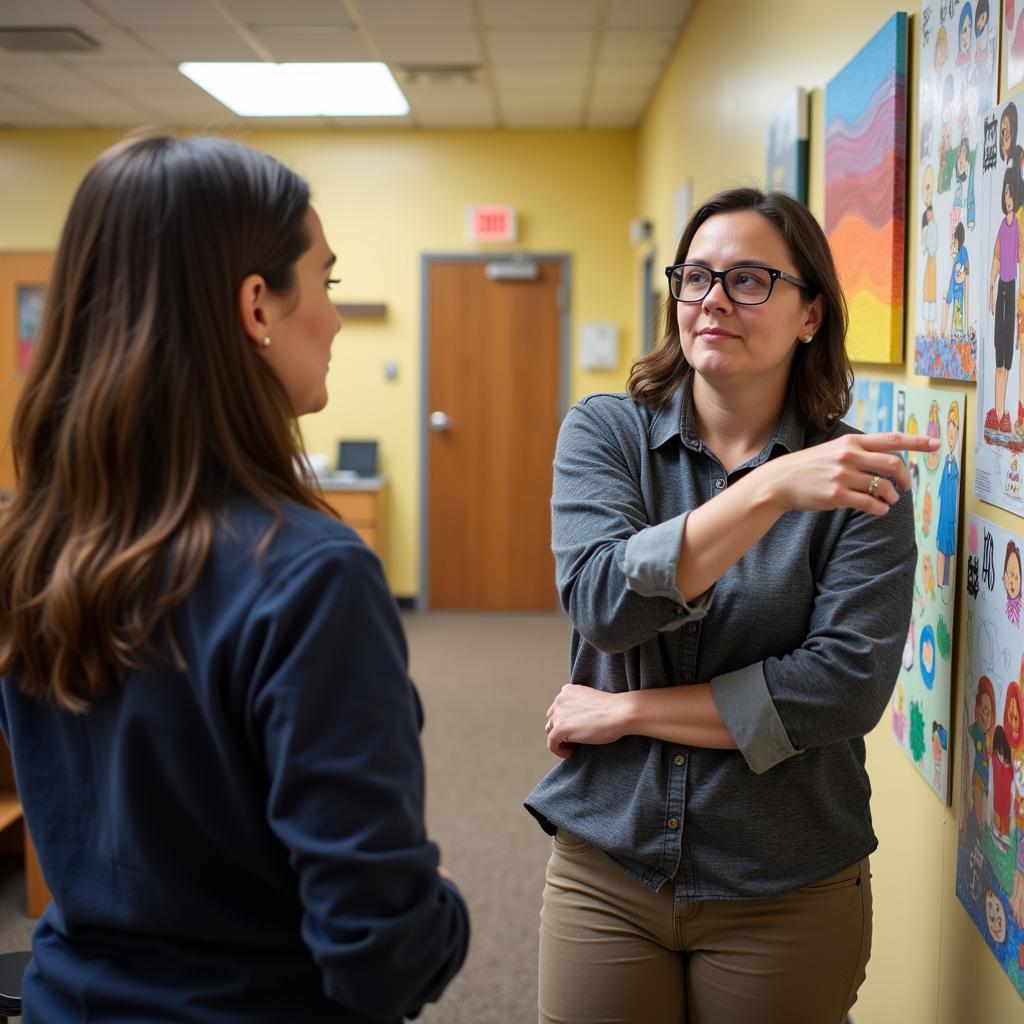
x=801, y=641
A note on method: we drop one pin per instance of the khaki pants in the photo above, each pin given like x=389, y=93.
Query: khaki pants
x=613, y=951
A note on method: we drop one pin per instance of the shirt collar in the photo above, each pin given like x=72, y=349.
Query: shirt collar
x=676, y=419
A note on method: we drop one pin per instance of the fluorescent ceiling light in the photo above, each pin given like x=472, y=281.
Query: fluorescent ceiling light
x=364, y=89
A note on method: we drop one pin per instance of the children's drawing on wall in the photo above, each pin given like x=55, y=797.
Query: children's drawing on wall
x=872, y=407
x=990, y=854
x=1013, y=40
x=1000, y=406
x=959, y=59
x=921, y=702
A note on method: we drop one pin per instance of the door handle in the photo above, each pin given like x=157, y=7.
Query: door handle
x=439, y=421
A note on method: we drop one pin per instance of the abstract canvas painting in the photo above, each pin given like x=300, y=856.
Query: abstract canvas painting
x=788, y=146
x=865, y=189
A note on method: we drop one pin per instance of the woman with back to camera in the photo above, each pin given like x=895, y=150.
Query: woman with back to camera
x=213, y=730
x=738, y=567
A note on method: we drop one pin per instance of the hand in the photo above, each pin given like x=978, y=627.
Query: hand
x=581, y=714
x=447, y=875
x=848, y=472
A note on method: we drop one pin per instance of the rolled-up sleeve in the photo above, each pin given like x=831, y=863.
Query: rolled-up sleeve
x=836, y=685
x=616, y=571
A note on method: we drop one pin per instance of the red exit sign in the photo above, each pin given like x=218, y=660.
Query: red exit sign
x=491, y=223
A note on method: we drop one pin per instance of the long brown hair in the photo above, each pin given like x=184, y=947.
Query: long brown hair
x=821, y=377
x=145, y=407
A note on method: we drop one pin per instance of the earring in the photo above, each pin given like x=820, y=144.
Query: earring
x=266, y=341
x=806, y=339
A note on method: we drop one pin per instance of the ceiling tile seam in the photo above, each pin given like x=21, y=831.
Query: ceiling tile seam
x=364, y=32
x=591, y=73
x=246, y=34
x=487, y=64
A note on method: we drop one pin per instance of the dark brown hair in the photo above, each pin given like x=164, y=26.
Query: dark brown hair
x=821, y=377
x=146, y=406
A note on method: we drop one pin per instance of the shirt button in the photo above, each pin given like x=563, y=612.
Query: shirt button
x=719, y=483
x=679, y=760
x=673, y=823
x=687, y=677
x=691, y=628
x=678, y=610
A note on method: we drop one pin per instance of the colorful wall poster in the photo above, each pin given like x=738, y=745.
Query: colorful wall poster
x=990, y=848
x=1013, y=29
x=29, y=303
x=1000, y=262
x=872, y=406
x=921, y=705
x=788, y=147
x=865, y=189
x=958, y=79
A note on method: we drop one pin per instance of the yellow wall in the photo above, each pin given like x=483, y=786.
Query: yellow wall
x=385, y=198
x=736, y=63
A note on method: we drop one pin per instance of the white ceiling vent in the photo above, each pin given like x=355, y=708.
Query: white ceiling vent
x=438, y=74
x=45, y=39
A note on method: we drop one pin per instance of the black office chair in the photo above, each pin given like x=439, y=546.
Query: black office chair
x=12, y=968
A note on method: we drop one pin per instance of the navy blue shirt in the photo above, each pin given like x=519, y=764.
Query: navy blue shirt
x=243, y=841
x=800, y=640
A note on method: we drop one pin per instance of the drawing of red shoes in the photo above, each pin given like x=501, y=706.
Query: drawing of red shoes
x=1004, y=423
x=991, y=420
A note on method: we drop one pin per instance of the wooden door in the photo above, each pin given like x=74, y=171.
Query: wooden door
x=494, y=374
x=23, y=277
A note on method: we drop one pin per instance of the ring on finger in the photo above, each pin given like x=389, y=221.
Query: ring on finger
x=873, y=485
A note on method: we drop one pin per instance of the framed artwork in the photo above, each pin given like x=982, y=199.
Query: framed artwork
x=788, y=146
x=865, y=189
x=990, y=837
x=959, y=75
x=29, y=304
x=872, y=406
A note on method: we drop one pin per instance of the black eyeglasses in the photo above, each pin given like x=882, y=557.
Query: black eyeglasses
x=747, y=285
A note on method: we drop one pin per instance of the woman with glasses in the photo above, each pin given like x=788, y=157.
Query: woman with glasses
x=213, y=730
x=738, y=566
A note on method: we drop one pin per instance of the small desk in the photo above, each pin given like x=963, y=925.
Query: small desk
x=362, y=504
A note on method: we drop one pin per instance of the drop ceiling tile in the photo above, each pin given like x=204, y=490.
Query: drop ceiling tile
x=538, y=99
x=163, y=78
x=52, y=12
x=666, y=14
x=428, y=46
x=182, y=46
x=457, y=119
x=635, y=45
x=180, y=109
x=114, y=46
x=540, y=118
x=314, y=44
x=430, y=99
x=294, y=12
x=514, y=46
x=42, y=77
x=16, y=103
x=512, y=76
x=415, y=13
x=626, y=76
x=618, y=99
x=99, y=103
x=181, y=14
x=540, y=13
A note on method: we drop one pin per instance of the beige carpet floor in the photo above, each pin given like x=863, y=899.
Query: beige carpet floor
x=485, y=680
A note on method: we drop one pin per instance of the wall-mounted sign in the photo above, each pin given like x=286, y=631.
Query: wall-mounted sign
x=491, y=223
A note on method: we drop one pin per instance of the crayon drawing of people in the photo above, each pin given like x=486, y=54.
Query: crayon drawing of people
x=980, y=731
x=1011, y=581
x=949, y=493
x=956, y=293
x=1006, y=261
